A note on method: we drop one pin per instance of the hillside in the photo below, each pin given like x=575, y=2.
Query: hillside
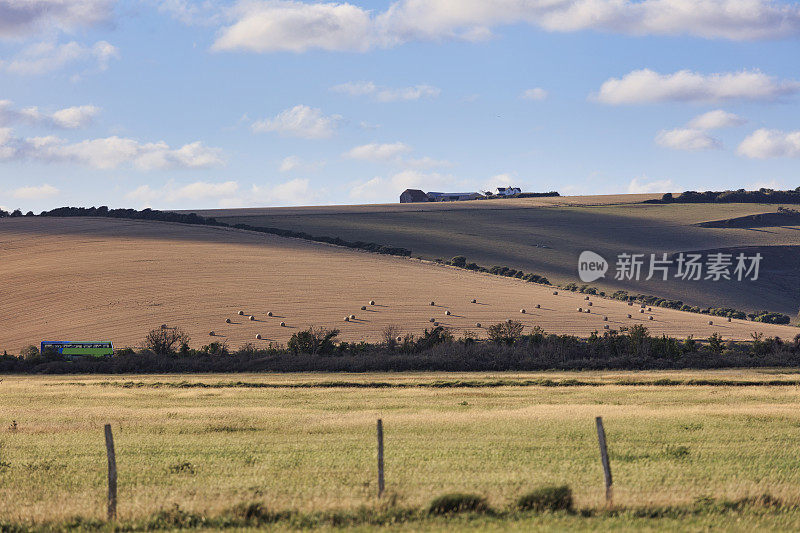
x=112, y=279
x=546, y=235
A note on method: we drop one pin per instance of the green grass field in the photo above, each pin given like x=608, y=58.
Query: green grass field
x=207, y=443
x=523, y=234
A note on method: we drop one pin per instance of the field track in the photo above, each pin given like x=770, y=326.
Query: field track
x=110, y=279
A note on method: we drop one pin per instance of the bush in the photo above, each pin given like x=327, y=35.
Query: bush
x=459, y=261
x=506, y=332
x=314, y=341
x=29, y=353
x=458, y=503
x=552, y=498
x=163, y=340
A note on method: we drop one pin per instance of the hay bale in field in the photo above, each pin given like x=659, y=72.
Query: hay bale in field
x=651, y=317
x=163, y=326
x=347, y=319
x=522, y=311
x=433, y=303
x=241, y=313
x=649, y=309
x=269, y=314
x=352, y=317
x=477, y=324
x=211, y=333
x=588, y=310
x=227, y=320
x=363, y=307
x=436, y=324
x=630, y=315
x=399, y=338
x=605, y=319
x=283, y=324
x=372, y=302
x=606, y=326
x=580, y=309
x=590, y=304
x=585, y=297
x=555, y=293
x=447, y=312
x=710, y=322
x=729, y=319
x=538, y=306
x=252, y=317
x=258, y=336
x=474, y=301
x=643, y=306
x=432, y=320
x=641, y=310
x=630, y=304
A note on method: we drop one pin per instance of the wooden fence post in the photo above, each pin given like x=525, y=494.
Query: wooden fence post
x=380, y=458
x=601, y=438
x=112, y=474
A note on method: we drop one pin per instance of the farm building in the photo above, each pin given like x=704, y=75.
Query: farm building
x=453, y=196
x=506, y=191
x=413, y=195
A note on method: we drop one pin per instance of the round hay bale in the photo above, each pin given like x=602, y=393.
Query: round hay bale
x=630, y=316
x=606, y=326
x=227, y=320
x=269, y=314
x=555, y=293
x=729, y=319
x=641, y=310
x=477, y=324
x=372, y=302
x=163, y=326
x=399, y=338
x=211, y=333
x=258, y=336
x=241, y=313
x=538, y=306
x=588, y=310
x=435, y=323
x=347, y=319
x=643, y=306
x=474, y=301
x=580, y=309
x=447, y=312
x=363, y=307
x=522, y=311
x=630, y=304
x=283, y=324
x=252, y=317
x=352, y=317
x=605, y=319
x=590, y=304
x=585, y=297
x=649, y=309
x=710, y=322
x=509, y=321
x=651, y=317
x=433, y=303
x=432, y=320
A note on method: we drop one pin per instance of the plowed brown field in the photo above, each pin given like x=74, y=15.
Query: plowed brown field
x=107, y=279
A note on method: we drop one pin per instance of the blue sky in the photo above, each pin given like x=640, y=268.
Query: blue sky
x=180, y=104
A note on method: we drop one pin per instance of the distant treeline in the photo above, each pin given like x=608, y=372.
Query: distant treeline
x=507, y=349
x=521, y=195
x=192, y=218
x=761, y=196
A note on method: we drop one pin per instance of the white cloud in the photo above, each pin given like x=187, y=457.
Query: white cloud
x=20, y=18
x=291, y=25
x=765, y=144
x=636, y=186
x=387, y=94
x=687, y=139
x=293, y=192
x=385, y=189
x=300, y=121
x=68, y=118
x=35, y=192
x=425, y=162
x=647, y=86
x=535, y=94
x=716, y=119
x=378, y=152
x=294, y=163
x=46, y=57
x=108, y=152
x=499, y=180
x=170, y=192
x=771, y=184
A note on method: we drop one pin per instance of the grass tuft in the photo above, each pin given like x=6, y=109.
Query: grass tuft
x=551, y=498
x=458, y=503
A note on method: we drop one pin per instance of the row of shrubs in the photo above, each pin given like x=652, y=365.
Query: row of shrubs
x=549, y=194
x=509, y=348
x=461, y=262
x=761, y=196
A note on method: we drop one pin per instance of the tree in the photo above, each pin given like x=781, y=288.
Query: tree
x=314, y=341
x=164, y=340
x=506, y=332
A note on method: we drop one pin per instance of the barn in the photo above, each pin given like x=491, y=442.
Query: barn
x=413, y=195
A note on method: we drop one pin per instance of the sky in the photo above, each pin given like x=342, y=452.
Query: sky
x=177, y=104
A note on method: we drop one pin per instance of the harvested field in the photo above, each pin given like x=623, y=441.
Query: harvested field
x=111, y=279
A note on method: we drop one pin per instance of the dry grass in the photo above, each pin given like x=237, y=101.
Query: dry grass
x=121, y=278
x=313, y=449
